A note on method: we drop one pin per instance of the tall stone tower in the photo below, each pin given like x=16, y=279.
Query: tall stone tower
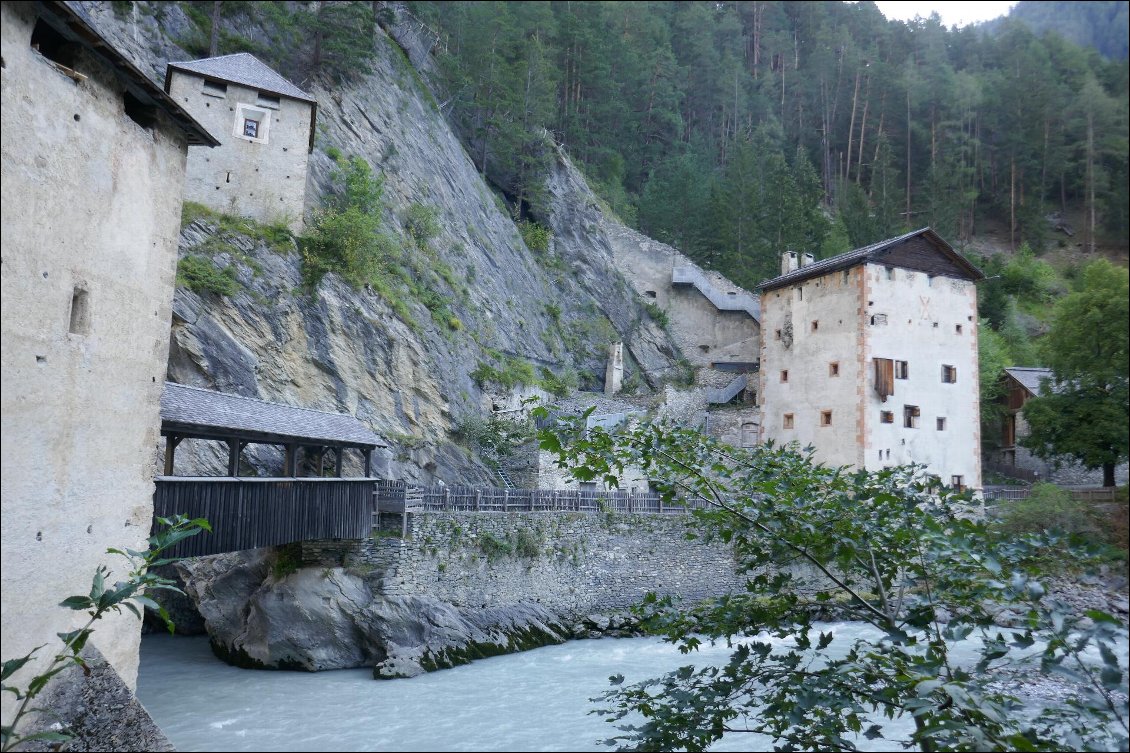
x=266, y=128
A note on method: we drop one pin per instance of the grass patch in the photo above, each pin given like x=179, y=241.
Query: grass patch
x=201, y=275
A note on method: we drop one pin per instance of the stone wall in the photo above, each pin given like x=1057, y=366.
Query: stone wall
x=573, y=564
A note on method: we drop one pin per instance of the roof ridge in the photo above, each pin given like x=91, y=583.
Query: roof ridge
x=261, y=400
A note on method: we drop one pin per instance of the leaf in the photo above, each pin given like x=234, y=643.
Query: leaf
x=13, y=665
x=926, y=687
x=1111, y=678
x=873, y=732
x=49, y=736
x=78, y=603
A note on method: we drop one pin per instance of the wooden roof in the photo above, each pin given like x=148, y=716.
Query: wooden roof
x=204, y=414
x=922, y=250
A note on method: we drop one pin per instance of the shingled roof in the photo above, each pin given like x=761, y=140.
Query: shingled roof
x=877, y=252
x=243, y=68
x=1029, y=377
x=192, y=411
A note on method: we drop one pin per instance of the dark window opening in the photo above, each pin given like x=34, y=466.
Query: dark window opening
x=910, y=414
x=902, y=370
x=139, y=112
x=784, y=375
x=878, y=319
x=815, y=325
x=949, y=374
x=834, y=369
x=958, y=483
x=788, y=421
x=80, y=313
x=825, y=418
x=648, y=293
x=941, y=422
x=887, y=416
x=890, y=273
x=267, y=100
x=777, y=335
x=53, y=45
x=215, y=88
x=957, y=329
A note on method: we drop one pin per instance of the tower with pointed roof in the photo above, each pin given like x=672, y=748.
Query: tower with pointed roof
x=266, y=128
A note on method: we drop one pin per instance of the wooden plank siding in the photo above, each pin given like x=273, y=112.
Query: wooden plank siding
x=396, y=497
x=248, y=513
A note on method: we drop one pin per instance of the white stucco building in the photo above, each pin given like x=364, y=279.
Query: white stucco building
x=871, y=357
x=266, y=128
x=93, y=158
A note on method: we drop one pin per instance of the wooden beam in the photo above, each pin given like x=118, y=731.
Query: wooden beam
x=290, y=464
x=321, y=452
x=368, y=462
x=339, y=455
x=171, y=442
x=234, y=447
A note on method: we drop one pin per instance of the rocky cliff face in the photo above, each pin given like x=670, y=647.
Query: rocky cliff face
x=346, y=349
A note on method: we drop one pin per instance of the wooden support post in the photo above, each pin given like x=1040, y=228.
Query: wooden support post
x=321, y=459
x=290, y=462
x=171, y=442
x=234, y=448
x=368, y=462
x=339, y=455
x=478, y=499
x=506, y=500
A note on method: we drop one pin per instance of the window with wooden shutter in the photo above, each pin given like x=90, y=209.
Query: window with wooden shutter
x=884, y=378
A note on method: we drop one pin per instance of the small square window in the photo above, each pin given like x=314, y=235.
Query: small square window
x=777, y=335
x=890, y=273
x=251, y=128
x=784, y=375
x=834, y=369
x=958, y=483
x=949, y=374
x=788, y=423
x=887, y=416
x=910, y=414
x=825, y=418
x=941, y=424
x=815, y=325
x=957, y=329
x=902, y=370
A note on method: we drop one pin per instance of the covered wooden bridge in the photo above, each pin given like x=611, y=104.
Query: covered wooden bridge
x=250, y=512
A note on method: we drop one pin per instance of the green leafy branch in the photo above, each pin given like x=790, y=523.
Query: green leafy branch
x=103, y=598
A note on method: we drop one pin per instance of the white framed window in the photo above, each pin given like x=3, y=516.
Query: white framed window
x=252, y=123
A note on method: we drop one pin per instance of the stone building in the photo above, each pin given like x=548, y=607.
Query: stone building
x=1021, y=385
x=716, y=325
x=871, y=357
x=93, y=158
x=266, y=128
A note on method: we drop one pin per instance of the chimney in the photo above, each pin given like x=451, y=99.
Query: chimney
x=788, y=262
x=807, y=259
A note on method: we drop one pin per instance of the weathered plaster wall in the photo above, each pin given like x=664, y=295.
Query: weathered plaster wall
x=574, y=564
x=931, y=322
x=811, y=386
x=90, y=203
x=264, y=181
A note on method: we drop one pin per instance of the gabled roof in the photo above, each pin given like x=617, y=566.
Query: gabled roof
x=192, y=411
x=242, y=68
x=928, y=244
x=1029, y=377
x=72, y=24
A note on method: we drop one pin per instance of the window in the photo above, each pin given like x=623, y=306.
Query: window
x=890, y=273
x=941, y=423
x=910, y=414
x=957, y=329
x=252, y=123
x=139, y=112
x=53, y=45
x=847, y=275
x=958, y=483
x=825, y=418
x=815, y=325
x=834, y=369
x=80, y=313
x=902, y=370
x=887, y=416
x=650, y=293
x=784, y=375
x=800, y=292
x=267, y=100
x=878, y=319
x=777, y=335
x=788, y=424
x=949, y=374
x=215, y=88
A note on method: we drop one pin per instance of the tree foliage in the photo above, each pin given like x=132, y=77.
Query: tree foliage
x=1084, y=411
x=888, y=548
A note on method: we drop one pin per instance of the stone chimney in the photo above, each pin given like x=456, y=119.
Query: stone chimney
x=788, y=262
x=807, y=259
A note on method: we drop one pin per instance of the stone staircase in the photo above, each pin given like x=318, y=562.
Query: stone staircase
x=723, y=301
x=723, y=395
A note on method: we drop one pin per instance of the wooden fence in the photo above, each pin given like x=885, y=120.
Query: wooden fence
x=1011, y=471
x=247, y=513
x=397, y=496
x=1015, y=493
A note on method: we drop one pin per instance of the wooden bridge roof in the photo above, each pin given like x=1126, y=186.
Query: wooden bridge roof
x=195, y=412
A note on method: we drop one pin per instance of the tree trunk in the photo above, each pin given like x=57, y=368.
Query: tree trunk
x=907, y=155
x=851, y=124
x=214, y=42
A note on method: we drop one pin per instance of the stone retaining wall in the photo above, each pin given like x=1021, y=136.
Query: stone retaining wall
x=568, y=562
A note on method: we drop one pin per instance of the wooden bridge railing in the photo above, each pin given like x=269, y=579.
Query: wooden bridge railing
x=247, y=513
x=396, y=496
